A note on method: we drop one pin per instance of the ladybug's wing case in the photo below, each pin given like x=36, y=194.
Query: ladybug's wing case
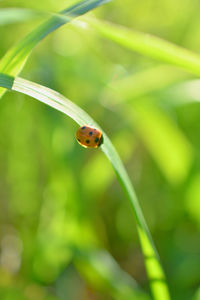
x=89, y=137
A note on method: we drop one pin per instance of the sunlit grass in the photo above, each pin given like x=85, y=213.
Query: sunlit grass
x=148, y=45
x=14, y=59
x=175, y=164
x=59, y=102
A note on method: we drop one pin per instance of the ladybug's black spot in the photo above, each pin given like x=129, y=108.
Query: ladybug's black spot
x=90, y=133
x=96, y=140
x=79, y=140
x=83, y=127
x=87, y=141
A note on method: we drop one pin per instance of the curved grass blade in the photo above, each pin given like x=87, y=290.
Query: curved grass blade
x=59, y=102
x=15, y=15
x=14, y=60
x=148, y=45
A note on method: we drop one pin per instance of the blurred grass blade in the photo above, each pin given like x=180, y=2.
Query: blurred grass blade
x=166, y=143
x=15, y=58
x=59, y=102
x=196, y=295
x=100, y=269
x=143, y=83
x=183, y=93
x=148, y=45
x=14, y=15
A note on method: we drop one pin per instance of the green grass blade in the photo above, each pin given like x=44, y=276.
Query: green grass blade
x=196, y=295
x=59, y=102
x=101, y=270
x=6, y=81
x=174, y=155
x=14, y=60
x=15, y=15
x=142, y=83
x=149, y=45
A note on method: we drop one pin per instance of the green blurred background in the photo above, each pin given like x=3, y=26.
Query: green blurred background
x=57, y=198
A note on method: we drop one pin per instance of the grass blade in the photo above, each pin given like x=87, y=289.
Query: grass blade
x=15, y=15
x=174, y=156
x=104, y=274
x=14, y=60
x=52, y=98
x=143, y=83
x=148, y=45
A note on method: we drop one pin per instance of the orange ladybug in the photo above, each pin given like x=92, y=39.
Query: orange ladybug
x=89, y=137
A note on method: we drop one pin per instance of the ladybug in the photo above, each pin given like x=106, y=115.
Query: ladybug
x=89, y=137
